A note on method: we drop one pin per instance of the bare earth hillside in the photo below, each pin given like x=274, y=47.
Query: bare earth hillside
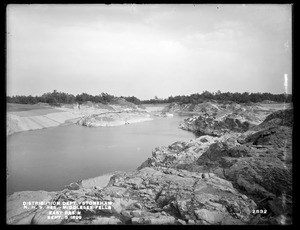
x=31, y=117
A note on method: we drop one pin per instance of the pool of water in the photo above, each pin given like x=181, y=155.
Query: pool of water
x=49, y=159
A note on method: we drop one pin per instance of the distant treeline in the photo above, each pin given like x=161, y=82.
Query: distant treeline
x=57, y=98
x=219, y=96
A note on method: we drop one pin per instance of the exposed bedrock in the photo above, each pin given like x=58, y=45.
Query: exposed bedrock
x=148, y=196
x=206, y=124
x=217, y=120
x=258, y=162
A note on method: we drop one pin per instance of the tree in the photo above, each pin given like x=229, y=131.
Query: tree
x=57, y=98
x=133, y=100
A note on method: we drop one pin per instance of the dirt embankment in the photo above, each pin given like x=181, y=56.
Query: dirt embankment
x=25, y=117
x=22, y=117
x=114, y=118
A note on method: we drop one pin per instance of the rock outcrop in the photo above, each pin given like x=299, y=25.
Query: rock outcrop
x=178, y=153
x=146, y=196
x=276, y=136
x=259, y=171
x=236, y=118
x=258, y=162
x=206, y=107
x=278, y=118
x=206, y=124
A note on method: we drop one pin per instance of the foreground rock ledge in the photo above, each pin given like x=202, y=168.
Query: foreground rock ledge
x=146, y=196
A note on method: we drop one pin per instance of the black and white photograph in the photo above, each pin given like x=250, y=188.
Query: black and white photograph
x=149, y=114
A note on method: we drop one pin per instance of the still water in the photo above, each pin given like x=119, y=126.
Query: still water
x=50, y=158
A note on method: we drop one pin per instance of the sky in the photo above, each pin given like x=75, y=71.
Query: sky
x=148, y=50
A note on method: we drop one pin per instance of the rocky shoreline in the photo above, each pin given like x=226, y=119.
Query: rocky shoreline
x=237, y=172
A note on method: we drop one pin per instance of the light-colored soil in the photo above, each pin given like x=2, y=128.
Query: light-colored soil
x=277, y=106
x=13, y=107
x=114, y=118
x=17, y=123
x=35, y=112
x=31, y=117
x=156, y=107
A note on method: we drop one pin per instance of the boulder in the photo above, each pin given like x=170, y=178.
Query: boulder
x=73, y=186
x=281, y=118
x=275, y=136
x=209, y=217
x=260, y=174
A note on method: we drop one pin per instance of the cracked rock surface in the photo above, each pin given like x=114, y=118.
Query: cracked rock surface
x=148, y=196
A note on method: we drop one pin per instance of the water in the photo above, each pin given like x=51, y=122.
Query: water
x=50, y=158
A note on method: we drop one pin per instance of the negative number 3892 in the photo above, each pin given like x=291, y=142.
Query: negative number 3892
x=259, y=211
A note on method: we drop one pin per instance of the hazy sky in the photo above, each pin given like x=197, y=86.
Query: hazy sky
x=148, y=50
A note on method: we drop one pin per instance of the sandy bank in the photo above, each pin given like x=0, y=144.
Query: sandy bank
x=156, y=108
x=113, y=119
x=31, y=118
x=17, y=123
